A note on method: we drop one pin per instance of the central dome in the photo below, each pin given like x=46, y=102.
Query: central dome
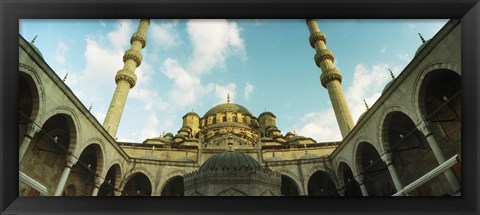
x=230, y=160
x=228, y=107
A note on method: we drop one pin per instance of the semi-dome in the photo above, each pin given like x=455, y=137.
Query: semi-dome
x=230, y=160
x=36, y=49
x=228, y=107
x=421, y=47
x=309, y=156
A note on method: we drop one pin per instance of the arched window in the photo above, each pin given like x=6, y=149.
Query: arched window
x=234, y=118
x=224, y=118
x=214, y=120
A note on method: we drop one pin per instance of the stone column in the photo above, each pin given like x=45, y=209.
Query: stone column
x=330, y=77
x=387, y=158
x=117, y=191
x=98, y=182
x=71, y=160
x=437, y=152
x=363, y=188
x=32, y=129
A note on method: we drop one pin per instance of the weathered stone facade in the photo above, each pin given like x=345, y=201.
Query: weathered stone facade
x=413, y=127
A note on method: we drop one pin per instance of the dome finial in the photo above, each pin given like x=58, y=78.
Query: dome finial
x=33, y=41
x=366, y=105
x=391, y=74
x=228, y=98
x=423, y=40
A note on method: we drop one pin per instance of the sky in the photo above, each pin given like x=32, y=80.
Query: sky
x=264, y=65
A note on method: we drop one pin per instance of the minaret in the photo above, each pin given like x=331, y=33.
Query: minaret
x=330, y=78
x=126, y=77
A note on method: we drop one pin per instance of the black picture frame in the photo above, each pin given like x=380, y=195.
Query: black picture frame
x=11, y=11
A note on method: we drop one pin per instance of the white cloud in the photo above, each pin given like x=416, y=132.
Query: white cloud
x=212, y=42
x=60, y=52
x=383, y=50
x=186, y=87
x=150, y=127
x=368, y=84
x=321, y=126
x=163, y=35
x=120, y=38
x=222, y=91
x=404, y=57
x=248, y=90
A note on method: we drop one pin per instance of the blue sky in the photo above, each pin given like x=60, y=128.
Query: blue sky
x=193, y=64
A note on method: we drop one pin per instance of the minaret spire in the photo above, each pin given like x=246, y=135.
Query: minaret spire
x=126, y=78
x=330, y=77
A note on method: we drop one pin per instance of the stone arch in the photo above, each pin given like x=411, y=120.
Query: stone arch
x=328, y=173
x=99, y=151
x=174, y=186
x=135, y=172
x=438, y=103
x=385, y=117
x=419, y=80
x=346, y=177
x=112, y=180
x=294, y=178
x=163, y=181
x=29, y=103
x=372, y=171
x=37, y=82
x=86, y=170
x=75, y=123
x=337, y=169
x=321, y=183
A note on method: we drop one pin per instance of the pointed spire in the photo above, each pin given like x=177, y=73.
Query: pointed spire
x=423, y=40
x=366, y=105
x=33, y=41
x=65, y=78
x=228, y=98
x=391, y=74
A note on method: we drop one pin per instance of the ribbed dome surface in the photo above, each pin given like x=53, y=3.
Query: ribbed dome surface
x=230, y=160
x=309, y=156
x=228, y=107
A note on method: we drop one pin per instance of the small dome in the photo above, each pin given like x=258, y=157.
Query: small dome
x=361, y=116
x=36, y=49
x=150, y=157
x=309, y=156
x=228, y=107
x=421, y=47
x=185, y=159
x=387, y=86
x=230, y=160
x=191, y=113
x=267, y=113
x=274, y=158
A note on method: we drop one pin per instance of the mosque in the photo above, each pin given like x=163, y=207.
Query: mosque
x=407, y=143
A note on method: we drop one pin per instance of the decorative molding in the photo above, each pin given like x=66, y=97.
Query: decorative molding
x=326, y=78
x=126, y=75
x=139, y=36
x=134, y=55
x=317, y=36
x=322, y=56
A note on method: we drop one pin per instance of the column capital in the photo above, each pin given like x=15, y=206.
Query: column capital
x=387, y=158
x=32, y=129
x=359, y=179
x=426, y=128
x=70, y=161
x=98, y=181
